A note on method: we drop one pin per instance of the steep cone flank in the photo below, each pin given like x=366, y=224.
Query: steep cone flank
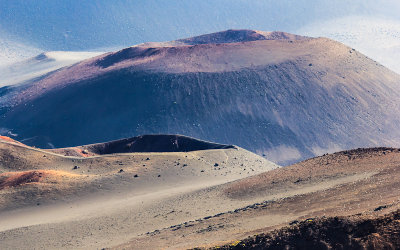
x=288, y=98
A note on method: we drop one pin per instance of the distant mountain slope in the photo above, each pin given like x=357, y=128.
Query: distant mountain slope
x=378, y=38
x=12, y=51
x=83, y=26
x=37, y=66
x=288, y=99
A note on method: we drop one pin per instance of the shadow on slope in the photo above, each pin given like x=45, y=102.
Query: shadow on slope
x=144, y=143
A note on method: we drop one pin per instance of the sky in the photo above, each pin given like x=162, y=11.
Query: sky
x=84, y=25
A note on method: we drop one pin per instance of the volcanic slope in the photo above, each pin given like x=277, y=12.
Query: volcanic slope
x=347, y=232
x=301, y=201
x=180, y=200
x=111, y=192
x=285, y=96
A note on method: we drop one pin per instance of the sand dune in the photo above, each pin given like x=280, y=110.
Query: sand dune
x=148, y=200
x=342, y=184
x=38, y=187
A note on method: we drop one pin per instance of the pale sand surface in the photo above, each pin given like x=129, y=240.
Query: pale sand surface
x=119, y=205
x=184, y=207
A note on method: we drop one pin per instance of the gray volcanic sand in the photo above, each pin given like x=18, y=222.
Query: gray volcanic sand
x=56, y=206
x=96, y=205
x=341, y=184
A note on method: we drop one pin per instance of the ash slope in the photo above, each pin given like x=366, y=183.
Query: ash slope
x=289, y=98
x=348, y=183
x=99, y=200
x=164, y=200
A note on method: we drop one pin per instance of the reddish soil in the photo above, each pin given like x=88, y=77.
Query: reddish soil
x=13, y=179
x=6, y=138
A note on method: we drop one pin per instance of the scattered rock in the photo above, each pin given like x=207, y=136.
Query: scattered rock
x=216, y=165
x=75, y=167
x=135, y=176
x=121, y=170
x=380, y=208
x=159, y=175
